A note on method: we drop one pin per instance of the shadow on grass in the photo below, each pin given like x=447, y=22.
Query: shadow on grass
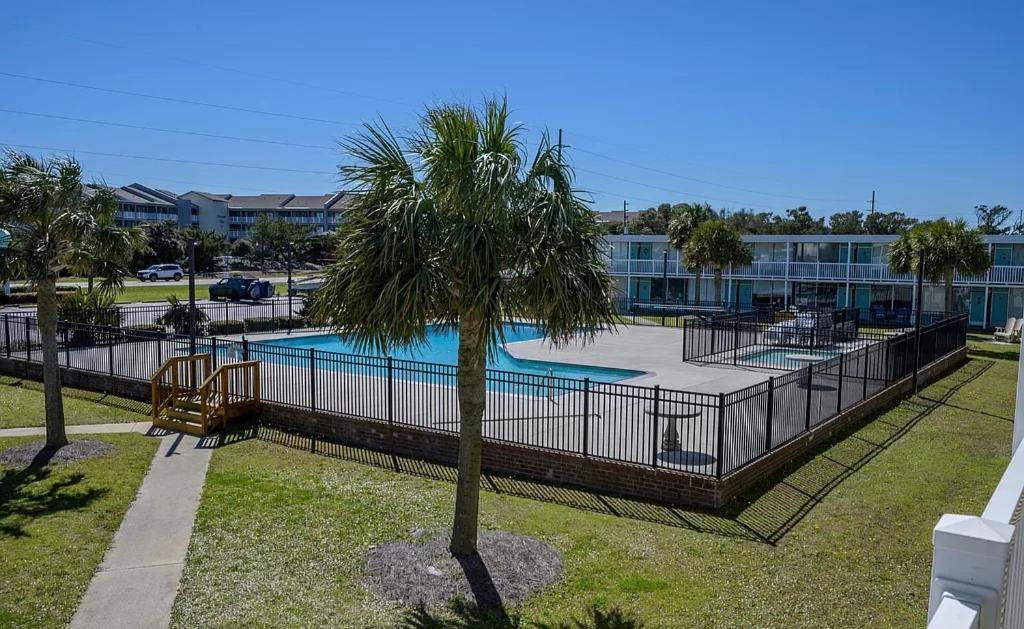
x=462, y=615
x=31, y=492
x=974, y=352
x=104, y=399
x=765, y=513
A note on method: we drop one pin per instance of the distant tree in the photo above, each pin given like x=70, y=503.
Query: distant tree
x=716, y=244
x=992, y=220
x=610, y=228
x=685, y=220
x=211, y=246
x=749, y=222
x=888, y=223
x=949, y=247
x=274, y=239
x=54, y=223
x=241, y=248
x=321, y=248
x=798, y=220
x=652, y=220
x=851, y=222
x=108, y=253
x=163, y=245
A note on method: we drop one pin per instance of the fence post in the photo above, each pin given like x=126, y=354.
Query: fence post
x=391, y=391
x=28, y=341
x=67, y=350
x=885, y=362
x=770, y=414
x=839, y=392
x=586, y=417
x=684, y=341
x=735, y=339
x=312, y=379
x=245, y=349
x=810, y=388
x=654, y=426
x=159, y=350
x=213, y=352
x=7, y=334
x=867, y=354
x=720, y=446
x=110, y=355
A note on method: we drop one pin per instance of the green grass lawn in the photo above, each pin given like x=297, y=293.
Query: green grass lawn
x=842, y=540
x=21, y=405
x=56, y=522
x=158, y=291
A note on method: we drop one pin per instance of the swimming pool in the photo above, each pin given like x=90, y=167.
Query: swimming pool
x=777, y=357
x=442, y=346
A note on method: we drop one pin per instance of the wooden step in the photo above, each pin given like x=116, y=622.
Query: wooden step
x=171, y=423
x=184, y=414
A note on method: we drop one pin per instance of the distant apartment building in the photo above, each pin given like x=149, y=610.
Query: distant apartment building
x=138, y=204
x=234, y=215
x=838, y=270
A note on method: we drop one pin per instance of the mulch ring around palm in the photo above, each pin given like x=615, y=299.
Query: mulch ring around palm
x=507, y=568
x=36, y=453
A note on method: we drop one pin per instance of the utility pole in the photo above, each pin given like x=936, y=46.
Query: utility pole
x=559, y=144
x=872, y=201
x=625, y=228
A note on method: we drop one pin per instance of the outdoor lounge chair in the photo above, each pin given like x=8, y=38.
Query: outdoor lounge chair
x=1009, y=332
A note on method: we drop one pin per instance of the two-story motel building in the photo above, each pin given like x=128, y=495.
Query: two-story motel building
x=838, y=270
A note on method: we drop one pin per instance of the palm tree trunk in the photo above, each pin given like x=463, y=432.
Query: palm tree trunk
x=89, y=290
x=718, y=285
x=696, y=286
x=472, y=399
x=949, y=290
x=53, y=400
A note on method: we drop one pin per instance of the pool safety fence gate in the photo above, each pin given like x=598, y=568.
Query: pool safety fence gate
x=672, y=431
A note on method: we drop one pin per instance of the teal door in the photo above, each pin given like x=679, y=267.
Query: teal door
x=977, y=311
x=863, y=254
x=997, y=315
x=1002, y=256
x=840, y=297
x=746, y=291
x=643, y=289
x=642, y=250
x=862, y=297
x=844, y=253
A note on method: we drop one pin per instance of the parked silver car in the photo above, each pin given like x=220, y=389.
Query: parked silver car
x=161, y=272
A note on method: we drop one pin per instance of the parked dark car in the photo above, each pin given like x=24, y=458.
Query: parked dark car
x=235, y=288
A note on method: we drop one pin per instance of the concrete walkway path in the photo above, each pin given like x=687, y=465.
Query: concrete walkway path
x=84, y=429
x=138, y=579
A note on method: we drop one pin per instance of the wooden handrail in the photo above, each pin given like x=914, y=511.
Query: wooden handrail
x=171, y=368
x=220, y=382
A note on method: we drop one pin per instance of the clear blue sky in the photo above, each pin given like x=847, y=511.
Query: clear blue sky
x=815, y=103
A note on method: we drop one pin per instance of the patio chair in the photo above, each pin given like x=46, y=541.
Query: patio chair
x=1009, y=332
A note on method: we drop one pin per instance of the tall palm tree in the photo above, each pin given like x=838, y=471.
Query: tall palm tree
x=685, y=219
x=716, y=244
x=457, y=225
x=949, y=247
x=55, y=224
x=109, y=251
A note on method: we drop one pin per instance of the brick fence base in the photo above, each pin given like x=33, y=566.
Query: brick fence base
x=664, y=486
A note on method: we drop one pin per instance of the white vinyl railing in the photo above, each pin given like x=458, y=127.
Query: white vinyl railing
x=978, y=562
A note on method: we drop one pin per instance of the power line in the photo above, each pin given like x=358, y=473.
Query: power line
x=706, y=182
x=182, y=101
x=670, y=190
x=169, y=159
x=162, y=130
x=259, y=75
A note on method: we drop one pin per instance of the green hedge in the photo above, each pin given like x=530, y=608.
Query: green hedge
x=146, y=331
x=261, y=324
x=231, y=326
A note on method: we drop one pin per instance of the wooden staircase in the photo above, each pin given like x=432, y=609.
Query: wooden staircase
x=190, y=396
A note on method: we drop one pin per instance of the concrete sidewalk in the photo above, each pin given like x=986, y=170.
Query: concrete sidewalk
x=136, y=584
x=84, y=429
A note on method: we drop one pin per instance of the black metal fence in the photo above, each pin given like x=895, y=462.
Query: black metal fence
x=701, y=433
x=672, y=313
x=213, y=317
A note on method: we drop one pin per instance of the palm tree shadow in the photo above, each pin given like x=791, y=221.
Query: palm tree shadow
x=28, y=493
x=462, y=615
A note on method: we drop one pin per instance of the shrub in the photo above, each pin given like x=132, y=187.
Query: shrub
x=260, y=324
x=89, y=309
x=297, y=321
x=230, y=326
x=176, y=317
x=146, y=331
x=21, y=295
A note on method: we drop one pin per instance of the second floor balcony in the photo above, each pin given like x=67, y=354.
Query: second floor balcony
x=807, y=271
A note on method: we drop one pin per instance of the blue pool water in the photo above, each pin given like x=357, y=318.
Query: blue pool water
x=777, y=357
x=442, y=347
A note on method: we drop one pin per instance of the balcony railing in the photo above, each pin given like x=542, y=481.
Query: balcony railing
x=826, y=271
